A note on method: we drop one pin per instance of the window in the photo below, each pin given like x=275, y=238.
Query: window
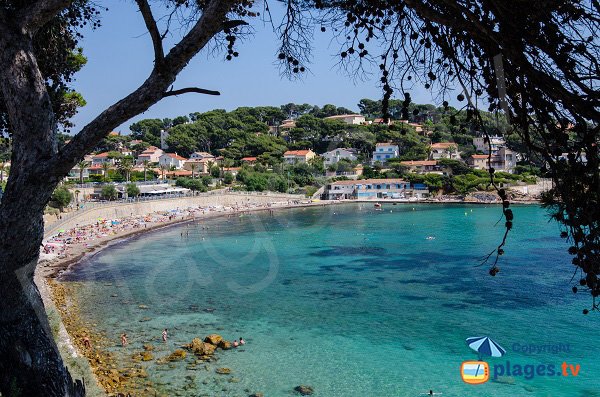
x=390, y=149
x=387, y=156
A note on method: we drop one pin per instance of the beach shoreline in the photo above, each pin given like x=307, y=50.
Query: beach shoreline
x=57, y=296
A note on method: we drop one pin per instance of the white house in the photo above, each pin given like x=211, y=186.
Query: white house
x=385, y=151
x=444, y=150
x=335, y=155
x=201, y=156
x=101, y=158
x=356, y=119
x=504, y=160
x=172, y=160
x=151, y=155
x=481, y=144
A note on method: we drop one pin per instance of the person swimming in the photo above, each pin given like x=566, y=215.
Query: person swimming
x=235, y=343
x=242, y=341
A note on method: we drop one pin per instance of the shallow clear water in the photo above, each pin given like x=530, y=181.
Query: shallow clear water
x=351, y=301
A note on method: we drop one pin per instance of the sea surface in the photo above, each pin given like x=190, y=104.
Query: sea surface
x=350, y=301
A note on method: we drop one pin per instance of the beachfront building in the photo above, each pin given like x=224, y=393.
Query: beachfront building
x=504, y=160
x=199, y=166
x=172, y=160
x=151, y=154
x=201, y=156
x=298, y=156
x=335, y=155
x=373, y=189
x=355, y=119
x=424, y=167
x=385, y=151
x=444, y=150
x=482, y=146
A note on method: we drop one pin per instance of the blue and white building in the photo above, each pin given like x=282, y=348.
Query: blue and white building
x=385, y=151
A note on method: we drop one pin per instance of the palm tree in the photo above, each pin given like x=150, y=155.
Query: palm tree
x=4, y=168
x=193, y=167
x=163, y=169
x=146, y=164
x=82, y=165
x=105, y=167
x=125, y=167
x=209, y=164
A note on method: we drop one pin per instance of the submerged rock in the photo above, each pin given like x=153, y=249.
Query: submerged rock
x=213, y=339
x=177, y=355
x=304, y=390
x=256, y=395
x=147, y=356
x=223, y=371
x=148, y=348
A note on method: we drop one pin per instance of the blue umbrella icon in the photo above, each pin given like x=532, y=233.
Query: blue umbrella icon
x=485, y=346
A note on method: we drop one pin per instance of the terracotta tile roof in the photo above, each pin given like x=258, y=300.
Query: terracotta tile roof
x=442, y=145
x=419, y=162
x=479, y=156
x=101, y=155
x=175, y=156
x=386, y=144
x=249, y=159
x=297, y=152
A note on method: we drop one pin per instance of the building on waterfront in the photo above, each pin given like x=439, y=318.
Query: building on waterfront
x=172, y=160
x=335, y=155
x=426, y=167
x=298, y=156
x=444, y=150
x=385, y=151
x=374, y=189
x=504, y=160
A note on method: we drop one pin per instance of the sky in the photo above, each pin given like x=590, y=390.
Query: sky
x=120, y=58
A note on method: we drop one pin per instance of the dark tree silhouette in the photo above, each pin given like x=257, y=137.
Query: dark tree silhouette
x=537, y=61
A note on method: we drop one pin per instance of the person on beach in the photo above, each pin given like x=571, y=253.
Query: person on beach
x=164, y=335
x=235, y=343
x=124, y=340
x=242, y=341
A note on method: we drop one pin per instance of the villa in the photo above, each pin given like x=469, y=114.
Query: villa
x=249, y=160
x=374, y=189
x=355, y=119
x=298, y=156
x=335, y=155
x=151, y=154
x=504, y=160
x=444, y=150
x=172, y=160
x=101, y=158
x=385, y=151
x=201, y=156
x=482, y=146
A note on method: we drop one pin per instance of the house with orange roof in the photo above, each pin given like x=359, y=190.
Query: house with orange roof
x=172, y=160
x=151, y=154
x=282, y=128
x=298, y=156
x=425, y=167
x=444, y=150
x=249, y=160
x=101, y=158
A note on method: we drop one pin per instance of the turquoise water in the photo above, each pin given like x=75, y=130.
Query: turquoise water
x=348, y=300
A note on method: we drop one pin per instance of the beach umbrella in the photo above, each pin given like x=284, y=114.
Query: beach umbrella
x=485, y=346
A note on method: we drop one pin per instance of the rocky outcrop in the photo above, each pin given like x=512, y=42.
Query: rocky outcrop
x=225, y=345
x=177, y=355
x=200, y=348
x=223, y=371
x=213, y=339
x=304, y=390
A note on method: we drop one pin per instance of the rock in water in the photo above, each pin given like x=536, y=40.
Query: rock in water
x=304, y=390
x=257, y=395
x=201, y=348
x=225, y=345
x=147, y=356
x=177, y=355
x=223, y=371
x=213, y=339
